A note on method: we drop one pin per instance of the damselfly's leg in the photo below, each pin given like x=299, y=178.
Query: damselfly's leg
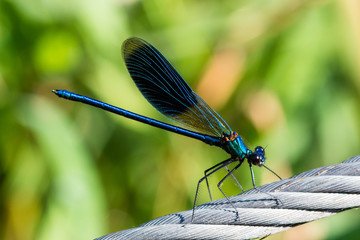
x=219, y=166
x=222, y=180
x=207, y=170
x=237, y=182
x=253, y=182
x=272, y=172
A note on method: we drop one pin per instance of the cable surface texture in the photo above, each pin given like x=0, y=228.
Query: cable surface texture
x=272, y=208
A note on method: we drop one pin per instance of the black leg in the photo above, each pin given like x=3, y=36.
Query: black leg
x=217, y=167
x=272, y=172
x=252, y=176
x=237, y=182
x=207, y=170
x=253, y=182
x=222, y=180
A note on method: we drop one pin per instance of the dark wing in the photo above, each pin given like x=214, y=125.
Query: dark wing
x=167, y=91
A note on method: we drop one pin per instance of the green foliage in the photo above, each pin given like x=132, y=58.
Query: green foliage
x=284, y=74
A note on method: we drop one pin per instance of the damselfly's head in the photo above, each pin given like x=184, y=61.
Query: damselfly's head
x=257, y=157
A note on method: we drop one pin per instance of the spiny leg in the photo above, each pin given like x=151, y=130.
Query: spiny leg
x=272, y=172
x=237, y=182
x=252, y=176
x=219, y=166
x=207, y=170
x=253, y=182
x=222, y=180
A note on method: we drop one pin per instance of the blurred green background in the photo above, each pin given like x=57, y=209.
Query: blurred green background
x=285, y=74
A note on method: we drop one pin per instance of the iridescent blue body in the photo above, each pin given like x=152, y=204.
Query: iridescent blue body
x=80, y=98
x=231, y=142
x=166, y=90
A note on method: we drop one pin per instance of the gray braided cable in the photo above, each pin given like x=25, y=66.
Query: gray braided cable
x=306, y=197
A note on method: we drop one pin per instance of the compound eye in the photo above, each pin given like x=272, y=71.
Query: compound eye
x=256, y=159
x=259, y=149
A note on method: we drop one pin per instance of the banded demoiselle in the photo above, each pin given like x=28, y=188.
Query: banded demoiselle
x=167, y=92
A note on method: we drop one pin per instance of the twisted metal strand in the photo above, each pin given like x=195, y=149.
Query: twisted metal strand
x=306, y=197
